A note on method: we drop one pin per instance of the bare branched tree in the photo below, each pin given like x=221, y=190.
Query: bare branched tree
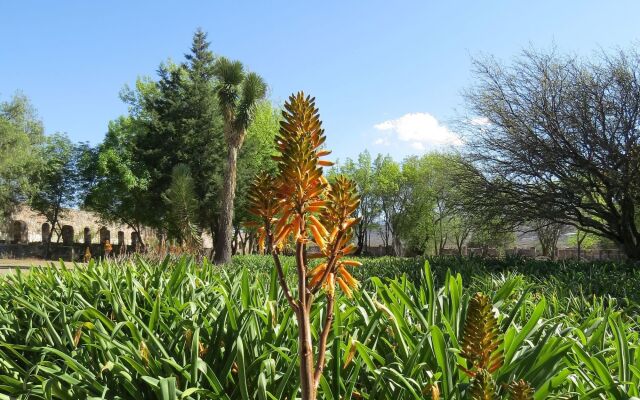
x=558, y=138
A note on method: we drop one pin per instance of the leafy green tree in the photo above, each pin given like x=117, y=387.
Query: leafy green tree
x=548, y=233
x=452, y=222
x=238, y=93
x=421, y=206
x=492, y=232
x=437, y=169
x=177, y=119
x=417, y=204
x=388, y=191
x=55, y=182
x=174, y=120
x=183, y=125
x=21, y=132
x=414, y=214
x=462, y=226
x=22, y=115
x=116, y=181
x=362, y=171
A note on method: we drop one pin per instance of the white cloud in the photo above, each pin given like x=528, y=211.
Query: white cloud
x=382, y=141
x=384, y=126
x=422, y=130
x=480, y=121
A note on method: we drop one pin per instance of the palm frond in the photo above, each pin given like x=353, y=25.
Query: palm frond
x=253, y=89
x=229, y=72
x=230, y=75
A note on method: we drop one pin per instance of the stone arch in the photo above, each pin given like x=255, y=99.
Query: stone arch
x=134, y=240
x=104, y=235
x=87, y=235
x=67, y=235
x=46, y=231
x=19, y=232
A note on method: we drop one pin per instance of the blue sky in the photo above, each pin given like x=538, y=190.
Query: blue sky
x=387, y=76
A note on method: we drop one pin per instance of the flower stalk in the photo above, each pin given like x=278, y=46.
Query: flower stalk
x=298, y=205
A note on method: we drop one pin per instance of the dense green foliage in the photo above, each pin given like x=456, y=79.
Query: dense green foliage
x=174, y=119
x=416, y=206
x=36, y=169
x=21, y=132
x=180, y=329
x=560, y=279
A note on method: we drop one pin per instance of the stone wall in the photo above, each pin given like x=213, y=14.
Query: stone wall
x=81, y=221
x=86, y=229
x=73, y=252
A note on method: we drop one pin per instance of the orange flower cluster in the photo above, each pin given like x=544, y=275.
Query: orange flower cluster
x=299, y=204
x=263, y=203
x=333, y=233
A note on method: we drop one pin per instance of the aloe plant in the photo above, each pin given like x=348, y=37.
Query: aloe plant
x=299, y=205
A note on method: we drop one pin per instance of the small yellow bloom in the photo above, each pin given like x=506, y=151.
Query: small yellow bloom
x=330, y=284
x=318, y=237
x=344, y=287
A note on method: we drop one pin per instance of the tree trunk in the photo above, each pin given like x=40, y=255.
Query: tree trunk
x=58, y=232
x=397, y=246
x=548, y=235
x=242, y=242
x=250, y=245
x=361, y=233
x=214, y=234
x=225, y=222
x=631, y=239
x=368, y=242
x=632, y=250
x=629, y=232
x=141, y=243
x=234, y=241
x=47, y=250
x=579, y=241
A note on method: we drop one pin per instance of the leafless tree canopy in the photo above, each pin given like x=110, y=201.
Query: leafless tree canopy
x=556, y=137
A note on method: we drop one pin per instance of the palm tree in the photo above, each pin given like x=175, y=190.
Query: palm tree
x=238, y=92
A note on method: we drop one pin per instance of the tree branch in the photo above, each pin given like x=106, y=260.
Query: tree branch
x=283, y=281
x=322, y=346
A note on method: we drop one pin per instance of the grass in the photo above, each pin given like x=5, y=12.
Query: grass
x=182, y=329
